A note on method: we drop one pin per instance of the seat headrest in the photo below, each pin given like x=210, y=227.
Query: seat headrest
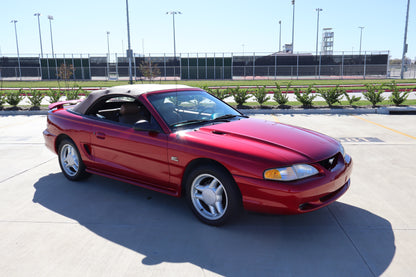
x=129, y=108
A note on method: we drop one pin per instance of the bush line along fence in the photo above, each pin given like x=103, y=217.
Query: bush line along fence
x=201, y=66
x=373, y=93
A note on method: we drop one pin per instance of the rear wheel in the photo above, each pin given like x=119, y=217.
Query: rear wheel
x=213, y=195
x=70, y=161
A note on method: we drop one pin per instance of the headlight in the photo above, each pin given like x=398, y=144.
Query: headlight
x=295, y=172
x=346, y=157
x=342, y=150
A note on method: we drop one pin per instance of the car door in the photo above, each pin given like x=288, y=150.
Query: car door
x=120, y=151
x=135, y=156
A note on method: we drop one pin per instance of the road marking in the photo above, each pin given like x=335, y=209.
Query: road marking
x=360, y=139
x=385, y=127
x=275, y=118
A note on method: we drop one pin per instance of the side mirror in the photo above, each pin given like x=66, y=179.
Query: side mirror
x=146, y=126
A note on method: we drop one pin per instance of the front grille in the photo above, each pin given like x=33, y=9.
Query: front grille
x=330, y=163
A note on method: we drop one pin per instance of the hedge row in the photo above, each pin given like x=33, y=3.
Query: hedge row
x=373, y=94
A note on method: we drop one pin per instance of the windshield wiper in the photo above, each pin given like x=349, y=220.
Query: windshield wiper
x=189, y=122
x=198, y=121
x=229, y=116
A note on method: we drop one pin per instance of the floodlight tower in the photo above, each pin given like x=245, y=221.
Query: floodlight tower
x=317, y=29
x=40, y=35
x=174, y=39
x=361, y=38
x=50, y=17
x=129, y=51
x=17, y=46
x=293, y=26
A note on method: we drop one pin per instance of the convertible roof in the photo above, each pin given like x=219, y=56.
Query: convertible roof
x=128, y=90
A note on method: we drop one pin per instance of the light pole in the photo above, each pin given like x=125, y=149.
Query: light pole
x=361, y=37
x=174, y=38
x=40, y=35
x=17, y=47
x=293, y=26
x=129, y=51
x=50, y=17
x=280, y=35
x=108, y=54
x=404, y=42
x=317, y=29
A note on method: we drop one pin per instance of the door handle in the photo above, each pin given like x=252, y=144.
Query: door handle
x=99, y=135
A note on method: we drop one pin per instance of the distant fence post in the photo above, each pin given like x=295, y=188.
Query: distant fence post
x=365, y=63
x=82, y=67
x=319, y=66
x=297, y=66
x=40, y=67
x=89, y=66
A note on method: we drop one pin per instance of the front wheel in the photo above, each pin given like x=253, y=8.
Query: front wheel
x=213, y=195
x=70, y=161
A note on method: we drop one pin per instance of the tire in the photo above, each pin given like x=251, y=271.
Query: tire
x=213, y=195
x=70, y=161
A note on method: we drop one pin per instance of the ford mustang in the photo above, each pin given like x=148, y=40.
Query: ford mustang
x=183, y=141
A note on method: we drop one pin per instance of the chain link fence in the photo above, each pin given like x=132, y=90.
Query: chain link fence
x=201, y=66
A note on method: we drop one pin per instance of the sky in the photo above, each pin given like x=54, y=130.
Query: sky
x=220, y=26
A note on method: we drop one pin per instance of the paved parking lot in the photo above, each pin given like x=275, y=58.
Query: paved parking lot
x=100, y=227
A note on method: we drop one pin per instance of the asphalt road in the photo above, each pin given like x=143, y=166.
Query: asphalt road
x=50, y=226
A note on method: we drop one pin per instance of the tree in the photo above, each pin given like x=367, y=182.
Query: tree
x=149, y=70
x=65, y=72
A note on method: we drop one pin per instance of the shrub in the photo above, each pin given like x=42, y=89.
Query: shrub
x=240, y=96
x=54, y=95
x=332, y=95
x=373, y=94
x=2, y=99
x=219, y=93
x=279, y=97
x=261, y=95
x=13, y=98
x=73, y=94
x=35, y=97
x=353, y=99
x=397, y=97
x=305, y=97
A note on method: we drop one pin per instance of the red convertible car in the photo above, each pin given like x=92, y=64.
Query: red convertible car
x=183, y=141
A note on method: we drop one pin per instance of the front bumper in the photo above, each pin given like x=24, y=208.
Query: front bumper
x=294, y=197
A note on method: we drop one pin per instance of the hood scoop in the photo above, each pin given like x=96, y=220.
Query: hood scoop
x=216, y=132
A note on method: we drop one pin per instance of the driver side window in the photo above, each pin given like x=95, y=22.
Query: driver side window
x=121, y=109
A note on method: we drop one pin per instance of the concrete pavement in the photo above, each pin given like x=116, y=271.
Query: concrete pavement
x=100, y=227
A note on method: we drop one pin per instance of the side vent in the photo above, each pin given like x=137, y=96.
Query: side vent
x=87, y=149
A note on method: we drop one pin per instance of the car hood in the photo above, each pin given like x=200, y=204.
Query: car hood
x=270, y=140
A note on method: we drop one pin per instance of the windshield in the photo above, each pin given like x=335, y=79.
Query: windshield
x=183, y=108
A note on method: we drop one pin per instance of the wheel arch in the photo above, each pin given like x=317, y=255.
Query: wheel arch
x=200, y=162
x=60, y=138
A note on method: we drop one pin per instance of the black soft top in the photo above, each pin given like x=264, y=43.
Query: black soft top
x=127, y=90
